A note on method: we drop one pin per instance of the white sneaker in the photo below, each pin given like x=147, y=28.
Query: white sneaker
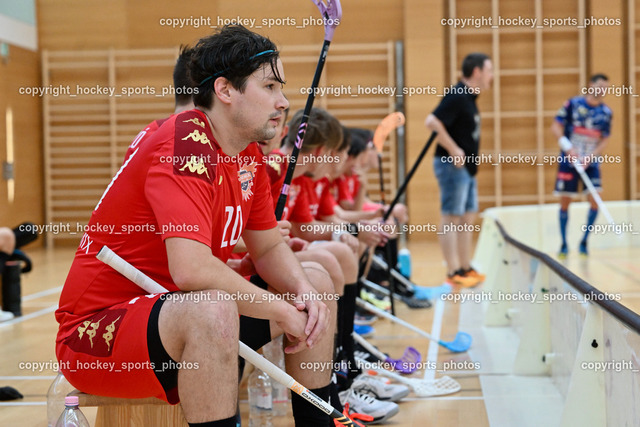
x=379, y=388
x=365, y=404
x=6, y=315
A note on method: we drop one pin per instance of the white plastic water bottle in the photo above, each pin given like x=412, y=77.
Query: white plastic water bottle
x=274, y=353
x=72, y=416
x=58, y=390
x=260, y=399
x=404, y=262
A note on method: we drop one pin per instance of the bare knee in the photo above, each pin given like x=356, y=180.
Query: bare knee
x=319, y=278
x=206, y=319
x=7, y=240
x=348, y=261
x=331, y=264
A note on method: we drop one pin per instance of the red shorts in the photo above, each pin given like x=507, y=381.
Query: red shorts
x=108, y=353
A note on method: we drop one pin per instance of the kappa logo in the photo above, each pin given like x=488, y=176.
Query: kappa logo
x=200, y=137
x=195, y=165
x=275, y=165
x=196, y=121
x=245, y=175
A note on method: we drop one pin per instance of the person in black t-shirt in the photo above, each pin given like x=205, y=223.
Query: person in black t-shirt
x=457, y=122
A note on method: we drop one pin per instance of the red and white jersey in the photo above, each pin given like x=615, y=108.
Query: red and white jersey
x=176, y=182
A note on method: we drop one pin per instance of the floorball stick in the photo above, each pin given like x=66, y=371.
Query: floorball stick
x=594, y=193
x=421, y=388
x=110, y=258
x=388, y=124
x=331, y=13
x=461, y=343
x=407, y=363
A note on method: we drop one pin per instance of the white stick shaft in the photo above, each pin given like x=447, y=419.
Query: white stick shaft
x=593, y=191
x=396, y=274
x=393, y=318
x=370, y=348
x=110, y=258
x=114, y=261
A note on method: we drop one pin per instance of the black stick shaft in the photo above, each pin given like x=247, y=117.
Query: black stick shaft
x=282, y=199
x=401, y=190
x=382, y=198
x=404, y=185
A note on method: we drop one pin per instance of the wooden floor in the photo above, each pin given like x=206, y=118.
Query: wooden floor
x=30, y=338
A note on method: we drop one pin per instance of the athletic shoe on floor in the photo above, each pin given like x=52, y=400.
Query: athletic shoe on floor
x=413, y=302
x=365, y=404
x=382, y=304
x=563, y=252
x=365, y=319
x=457, y=279
x=379, y=388
x=6, y=315
x=473, y=273
x=364, y=330
x=583, y=248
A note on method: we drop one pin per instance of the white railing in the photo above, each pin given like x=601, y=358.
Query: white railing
x=588, y=343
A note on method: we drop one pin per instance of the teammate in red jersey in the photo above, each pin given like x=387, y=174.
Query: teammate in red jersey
x=175, y=209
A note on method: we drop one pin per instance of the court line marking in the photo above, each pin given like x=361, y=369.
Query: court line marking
x=23, y=403
x=30, y=316
x=27, y=377
x=432, y=353
x=42, y=293
x=414, y=399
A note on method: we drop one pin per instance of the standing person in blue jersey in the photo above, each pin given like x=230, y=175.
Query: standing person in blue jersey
x=457, y=122
x=582, y=127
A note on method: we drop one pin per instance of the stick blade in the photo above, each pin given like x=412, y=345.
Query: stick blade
x=439, y=387
x=460, y=344
x=389, y=123
x=409, y=361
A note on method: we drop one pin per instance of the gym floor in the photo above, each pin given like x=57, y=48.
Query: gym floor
x=29, y=340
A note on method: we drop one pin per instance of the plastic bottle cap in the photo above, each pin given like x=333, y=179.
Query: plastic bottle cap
x=71, y=401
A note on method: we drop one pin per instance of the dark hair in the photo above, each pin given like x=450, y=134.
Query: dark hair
x=323, y=130
x=599, y=76
x=233, y=53
x=359, y=140
x=473, y=61
x=346, y=139
x=181, y=82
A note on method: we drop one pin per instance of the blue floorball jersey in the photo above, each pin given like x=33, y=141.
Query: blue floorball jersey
x=584, y=124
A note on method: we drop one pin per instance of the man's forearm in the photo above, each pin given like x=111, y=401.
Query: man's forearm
x=193, y=268
x=293, y=280
x=443, y=138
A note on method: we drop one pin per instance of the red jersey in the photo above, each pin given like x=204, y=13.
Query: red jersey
x=145, y=133
x=326, y=200
x=297, y=208
x=175, y=183
x=348, y=187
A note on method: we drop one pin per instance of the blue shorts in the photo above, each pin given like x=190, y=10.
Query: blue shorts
x=458, y=189
x=568, y=179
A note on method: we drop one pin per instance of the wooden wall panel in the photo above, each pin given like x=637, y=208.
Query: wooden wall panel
x=78, y=24
x=21, y=70
x=609, y=58
x=424, y=65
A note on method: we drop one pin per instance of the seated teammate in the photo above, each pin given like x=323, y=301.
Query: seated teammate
x=323, y=136
x=188, y=191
